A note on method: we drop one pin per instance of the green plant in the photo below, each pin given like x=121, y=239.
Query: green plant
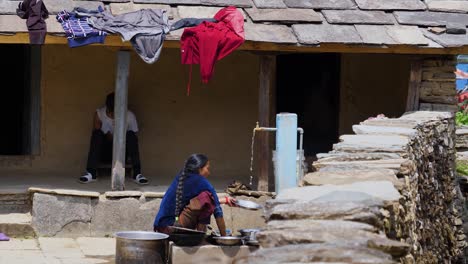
x=462, y=167
x=461, y=118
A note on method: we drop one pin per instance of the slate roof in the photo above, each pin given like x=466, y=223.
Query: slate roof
x=299, y=22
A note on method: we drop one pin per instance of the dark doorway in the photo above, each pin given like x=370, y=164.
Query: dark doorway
x=309, y=85
x=14, y=102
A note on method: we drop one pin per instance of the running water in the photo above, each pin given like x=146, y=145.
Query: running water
x=252, y=158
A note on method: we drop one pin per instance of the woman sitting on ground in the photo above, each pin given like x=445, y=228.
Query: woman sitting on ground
x=191, y=200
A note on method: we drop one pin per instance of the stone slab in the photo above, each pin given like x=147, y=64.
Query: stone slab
x=383, y=190
x=12, y=23
x=127, y=214
x=407, y=35
x=371, y=143
x=120, y=8
x=60, y=247
x=64, y=192
x=123, y=194
x=96, y=246
x=200, y=11
x=358, y=17
x=344, y=156
x=449, y=6
x=289, y=15
x=315, y=34
x=54, y=215
x=209, y=254
x=317, y=253
x=392, y=164
x=24, y=257
x=432, y=19
x=425, y=116
x=373, y=34
x=269, y=33
x=168, y=2
x=321, y=4
x=90, y=5
x=153, y=194
x=8, y=7
x=19, y=244
x=351, y=176
x=382, y=130
x=448, y=40
x=237, y=3
x=391, y=5
x=269, y=4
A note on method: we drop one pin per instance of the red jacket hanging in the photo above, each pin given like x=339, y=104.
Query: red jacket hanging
x=209, y=42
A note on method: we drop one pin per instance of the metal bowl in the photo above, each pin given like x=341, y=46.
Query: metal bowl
x=248, y=204
x=228, y=240
x=250, y=233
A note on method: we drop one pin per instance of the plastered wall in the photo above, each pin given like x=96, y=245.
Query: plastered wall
x=216, y=119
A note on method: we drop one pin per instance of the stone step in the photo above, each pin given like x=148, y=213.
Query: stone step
x=15, y=203
x=16, y=225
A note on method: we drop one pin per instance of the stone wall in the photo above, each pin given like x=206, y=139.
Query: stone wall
x=67, y=213
x=437, y=91
x=385, y=195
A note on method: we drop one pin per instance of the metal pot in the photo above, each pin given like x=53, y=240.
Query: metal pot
x=140, y=247
x=227, y=240
x=250, y=233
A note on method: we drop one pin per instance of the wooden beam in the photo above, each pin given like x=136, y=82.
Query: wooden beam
x=120, y=116
x=412, y=102
x=173, y=42
x=266, y=112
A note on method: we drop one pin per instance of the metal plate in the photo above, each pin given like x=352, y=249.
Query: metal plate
x=248, y=205
x=228, y=240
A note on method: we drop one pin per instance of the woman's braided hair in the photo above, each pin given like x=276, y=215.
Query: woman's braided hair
x=192, y=166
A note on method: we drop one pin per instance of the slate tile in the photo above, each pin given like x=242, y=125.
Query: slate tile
x=391, y=4
x=90, y=5
x=326, y=33
x=433, y=19
x=321, y=4
x=55, y=6
x=407, y=35
x=237, y=3
x=449, y=6
x=289, y=15
x=358, y=17
x=201, y=11
x=12, y=23
x=167, y=2
x=269, y=33
x=373, y=34
x=120, y=8
x=269, y=4
x=8, y=7
x=448, y=40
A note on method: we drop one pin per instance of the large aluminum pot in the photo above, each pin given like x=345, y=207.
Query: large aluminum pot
x=137, y=247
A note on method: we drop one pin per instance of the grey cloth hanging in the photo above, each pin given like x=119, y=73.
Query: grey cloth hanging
x=145, y=29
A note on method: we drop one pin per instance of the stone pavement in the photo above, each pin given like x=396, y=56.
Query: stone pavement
x=45, y=250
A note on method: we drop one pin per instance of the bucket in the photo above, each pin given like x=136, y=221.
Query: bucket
x=140, y=247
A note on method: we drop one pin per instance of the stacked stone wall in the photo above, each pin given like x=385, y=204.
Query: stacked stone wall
x=385, y=195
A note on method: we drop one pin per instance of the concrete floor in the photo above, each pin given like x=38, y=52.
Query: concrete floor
x=83, y=250
x=19, y=183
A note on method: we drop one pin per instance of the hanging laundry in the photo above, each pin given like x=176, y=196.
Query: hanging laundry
x=190, y=22
x=76, y=27
x=146, y=29
x=209, y=42
x=35, y=13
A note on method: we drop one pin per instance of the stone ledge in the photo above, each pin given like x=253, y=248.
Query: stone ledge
x=64, y=192
x=122, y=194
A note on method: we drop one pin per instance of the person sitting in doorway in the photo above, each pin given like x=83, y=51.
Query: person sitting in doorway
x=100, y=149
x=191, y=200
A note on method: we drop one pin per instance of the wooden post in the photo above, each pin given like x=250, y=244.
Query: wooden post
x=412, y=103
x=120, y=119
x=266, y=112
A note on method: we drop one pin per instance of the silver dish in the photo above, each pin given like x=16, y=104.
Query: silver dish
x=248, y=205
x=228, y=240
x=250, y=233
